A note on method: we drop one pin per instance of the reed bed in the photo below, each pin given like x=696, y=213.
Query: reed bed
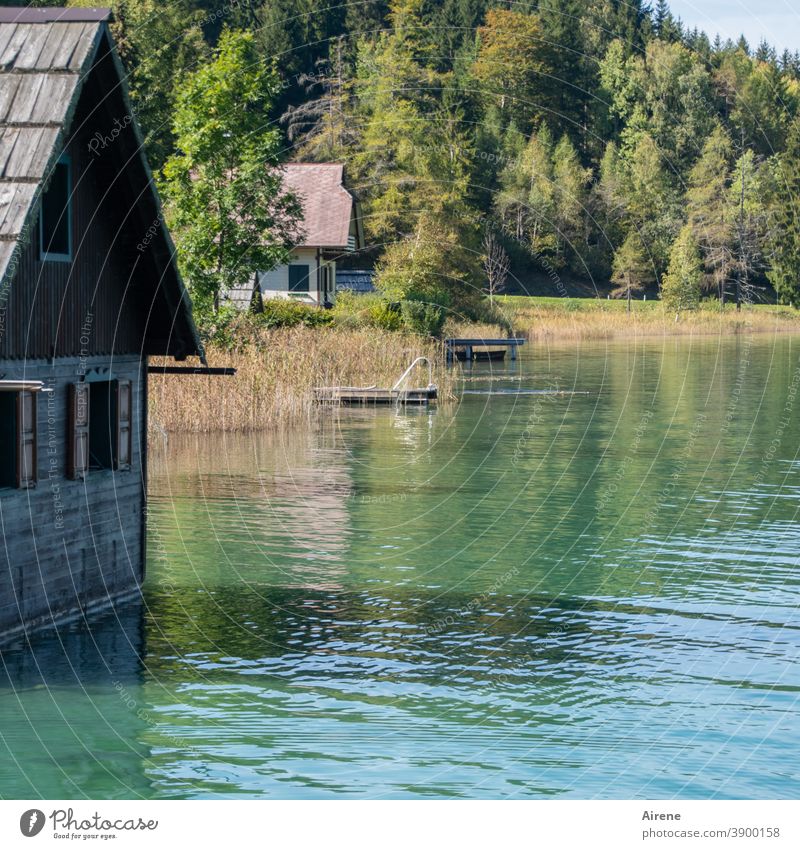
x=277, y=371
x=551, y=319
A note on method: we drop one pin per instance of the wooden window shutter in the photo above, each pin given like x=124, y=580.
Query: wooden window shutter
x=26, y=440
x=124, y=408
x=78, y=436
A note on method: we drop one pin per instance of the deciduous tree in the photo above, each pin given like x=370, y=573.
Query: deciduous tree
x=226, y=204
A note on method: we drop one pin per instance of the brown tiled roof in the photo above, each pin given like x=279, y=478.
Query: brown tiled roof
x=327, y=205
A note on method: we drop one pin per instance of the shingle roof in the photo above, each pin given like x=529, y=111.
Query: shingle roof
x=327, y=205
x=40, y=68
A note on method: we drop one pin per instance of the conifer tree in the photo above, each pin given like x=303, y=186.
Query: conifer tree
x=570, y=198
x=784, y=223
x=680, y=286
x=707, y=201
x=632, y=269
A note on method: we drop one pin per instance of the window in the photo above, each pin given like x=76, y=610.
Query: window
x=18, y=439
x=100, y=426
x=298, y=278
x=55, y=220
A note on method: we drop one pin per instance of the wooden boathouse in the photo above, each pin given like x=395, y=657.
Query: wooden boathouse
x=88, y=291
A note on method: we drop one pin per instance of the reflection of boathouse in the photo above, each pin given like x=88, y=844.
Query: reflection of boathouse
x=88, y=290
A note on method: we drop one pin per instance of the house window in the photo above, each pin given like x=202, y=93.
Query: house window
x=100, y=426
x=298, y=278
x=18, y=439
x=55, y=220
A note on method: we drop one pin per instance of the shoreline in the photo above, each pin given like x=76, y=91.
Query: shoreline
x=572, y=319
x=277, y=369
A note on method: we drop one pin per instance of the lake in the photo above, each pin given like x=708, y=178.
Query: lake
x=580, y=580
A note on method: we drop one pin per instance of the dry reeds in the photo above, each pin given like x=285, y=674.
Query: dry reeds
x=276, y=373
x=551, y=319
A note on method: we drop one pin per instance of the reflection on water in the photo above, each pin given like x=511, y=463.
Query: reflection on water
x=526, y=595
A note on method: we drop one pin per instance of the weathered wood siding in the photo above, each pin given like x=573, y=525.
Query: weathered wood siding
x=68, y=545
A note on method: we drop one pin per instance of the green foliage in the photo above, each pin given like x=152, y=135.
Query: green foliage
x=667, y=92
x=229, y=326
x=633, y=267
x=708, y=207
x=280, y=312
x=510, y=63
x=422, y=318
x=365, y=310
x=526, y=199
x=413, y=154
x=784, y=232
x=588, y=131
x=225, y=201
x=373, y=310
x=570, y=197
x=428, y=266
x=680, y=287
x=159, y=43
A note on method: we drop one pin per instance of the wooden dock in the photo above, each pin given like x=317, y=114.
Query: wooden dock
x=468, y=346
x=371, y=395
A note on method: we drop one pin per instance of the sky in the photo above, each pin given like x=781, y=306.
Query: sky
x=776, y=20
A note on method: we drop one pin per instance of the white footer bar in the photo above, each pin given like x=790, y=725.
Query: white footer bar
x=402, y=824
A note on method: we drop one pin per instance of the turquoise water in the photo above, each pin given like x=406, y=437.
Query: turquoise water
x=527, y=594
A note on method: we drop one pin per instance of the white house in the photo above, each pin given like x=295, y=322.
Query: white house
x=331, y=226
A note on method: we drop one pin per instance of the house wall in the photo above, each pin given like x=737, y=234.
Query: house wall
x=69, y=546
x=275, y=283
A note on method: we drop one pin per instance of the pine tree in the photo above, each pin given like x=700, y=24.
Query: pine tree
x=413, y=155
x=784, y=223
x=750, y=224
x=570, y=78
x=680, y=286
x=321, y=128
x=510, y=63
x=570, y=197
x=525, y=201
x=660, y=17
x=632, y=269
x=709, y=210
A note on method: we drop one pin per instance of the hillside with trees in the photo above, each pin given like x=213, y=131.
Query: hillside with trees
x=599, y=144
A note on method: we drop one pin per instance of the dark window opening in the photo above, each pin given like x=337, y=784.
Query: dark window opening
x=18, y=439
x=55, y=230
x=298, y=278
x=8, y=438
x=109, y=414
x=101, y=426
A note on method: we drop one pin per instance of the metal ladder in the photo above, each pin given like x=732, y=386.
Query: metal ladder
x=404, y=376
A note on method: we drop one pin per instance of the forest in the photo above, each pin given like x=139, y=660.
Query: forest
x=589, y=146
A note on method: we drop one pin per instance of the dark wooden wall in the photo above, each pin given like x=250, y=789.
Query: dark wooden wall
x=67, y=546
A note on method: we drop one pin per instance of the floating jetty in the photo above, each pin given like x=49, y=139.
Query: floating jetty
x=468, y=349
x=350, y=395
x=398, y=394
